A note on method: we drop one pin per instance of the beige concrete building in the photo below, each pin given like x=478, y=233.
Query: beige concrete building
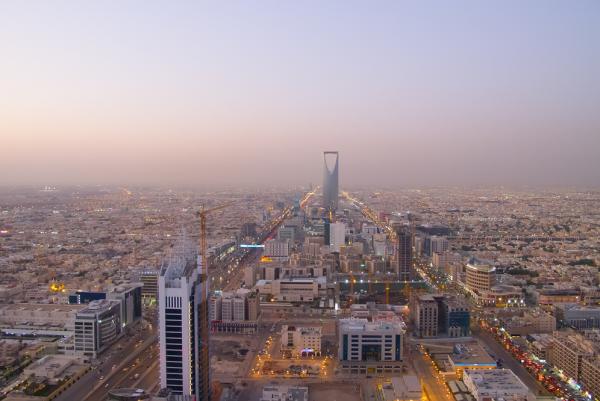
x=426, y=316
x=300, y=341
x=590, y=374
x=568, y=351
x=480, y=278
x=496, y=384
x=56, y=316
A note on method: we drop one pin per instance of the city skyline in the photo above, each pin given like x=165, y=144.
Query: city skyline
x=299, y=201
x=501, y=94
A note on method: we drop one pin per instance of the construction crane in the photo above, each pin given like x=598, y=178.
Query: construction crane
x=202, y=214
x=203, y=267
x=387, y=293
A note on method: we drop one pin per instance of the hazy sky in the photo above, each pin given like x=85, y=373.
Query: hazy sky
x=410, y=93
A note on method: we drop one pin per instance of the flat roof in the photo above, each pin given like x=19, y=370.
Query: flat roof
x=471, y=354
x=495, y=380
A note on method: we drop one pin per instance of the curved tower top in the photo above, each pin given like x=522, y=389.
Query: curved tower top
x=330, y=180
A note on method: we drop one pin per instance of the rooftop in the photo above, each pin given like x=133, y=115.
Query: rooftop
x=493, y=381
x=471, y=354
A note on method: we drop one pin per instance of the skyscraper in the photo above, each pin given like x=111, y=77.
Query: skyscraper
x=330, y=181
x=182, y=366
x=404, y=254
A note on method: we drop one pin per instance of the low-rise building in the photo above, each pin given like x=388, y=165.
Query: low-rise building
x=494, y=384
x=293, y=289
x=402, y=388
x=470, y=355
x=580, y=317
x=300, y=341
x=234, y=312
x=284, y=393
x=556, y=296
x=535, y=321
x=39, y=316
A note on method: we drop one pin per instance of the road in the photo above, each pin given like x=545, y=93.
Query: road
x=131, y=346
x=228, y=275
x=433, y=383
x=136, y=363
x=128, y=375
x=510, y=362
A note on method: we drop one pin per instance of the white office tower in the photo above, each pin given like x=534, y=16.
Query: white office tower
x=337, y=236
x=180, y=295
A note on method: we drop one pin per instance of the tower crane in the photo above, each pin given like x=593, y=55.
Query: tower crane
x=202, y=214
x=203, y=272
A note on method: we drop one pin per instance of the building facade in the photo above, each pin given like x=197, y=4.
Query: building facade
x=568, y=352
x=330, y=181
x=404, y=255
x=183, y=368
x=426, y=321
x=130, y=297
x=300, y=341
x=97, y=326
x=234, y=312
x=367, y=347
x=495, y=384
x=480, y=277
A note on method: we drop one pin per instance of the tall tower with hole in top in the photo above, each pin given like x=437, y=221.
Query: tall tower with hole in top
x=330, y=181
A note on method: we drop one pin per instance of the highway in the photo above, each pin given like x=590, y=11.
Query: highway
x=128, y=375
x=509, y=361
x=108, y=369
x=136, y=363
x=228, y=274
x=434, y=385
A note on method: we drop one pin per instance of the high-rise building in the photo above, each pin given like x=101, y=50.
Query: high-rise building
x=337, y=236
x=404, y=255
x=427, y=316
x=441, y=315
x=182, y=367
x=330, y=181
